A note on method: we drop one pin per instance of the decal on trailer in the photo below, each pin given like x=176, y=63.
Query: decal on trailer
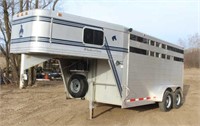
x=114, y=38
x=21, y=31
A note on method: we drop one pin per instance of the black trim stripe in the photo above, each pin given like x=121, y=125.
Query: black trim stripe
x=71, y=23
x=66, y=23
x=113, y=67
x=80, y=44
x=113, y=48
x=32, y=18
x=64, y=42
x=28, y=39
x=55, y=21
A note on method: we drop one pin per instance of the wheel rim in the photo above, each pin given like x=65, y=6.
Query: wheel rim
x=168, y=101
x=75, y=85
x=178, y=99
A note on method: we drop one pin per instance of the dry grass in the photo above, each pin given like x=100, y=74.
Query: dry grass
x=192, y=74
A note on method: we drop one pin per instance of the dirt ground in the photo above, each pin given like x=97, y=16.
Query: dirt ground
x=45, y=105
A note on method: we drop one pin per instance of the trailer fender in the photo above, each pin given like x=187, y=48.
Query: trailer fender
x=161, y=90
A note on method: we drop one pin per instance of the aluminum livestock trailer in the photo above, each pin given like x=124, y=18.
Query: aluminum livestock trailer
x=101, y=62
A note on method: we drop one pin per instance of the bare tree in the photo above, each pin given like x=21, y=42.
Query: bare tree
x=7, y=34
x=13, y=6
x=192, y=51
x=21, y=5
x=8, y=9
x=36, y=4
x=54, y=4
x=194, y=41
x=27, y=5
x=182, y=43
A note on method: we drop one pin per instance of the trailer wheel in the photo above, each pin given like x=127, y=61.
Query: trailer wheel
x=177, y=99
x=77, y=86
x=167, y=102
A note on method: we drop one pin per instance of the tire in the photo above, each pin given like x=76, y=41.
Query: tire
x=77, y=86
x=167, y=102
x=177, y=99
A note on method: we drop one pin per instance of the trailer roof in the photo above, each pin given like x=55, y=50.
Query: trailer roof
x=84, y=20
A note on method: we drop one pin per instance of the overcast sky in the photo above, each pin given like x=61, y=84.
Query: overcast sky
x=165, y=19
